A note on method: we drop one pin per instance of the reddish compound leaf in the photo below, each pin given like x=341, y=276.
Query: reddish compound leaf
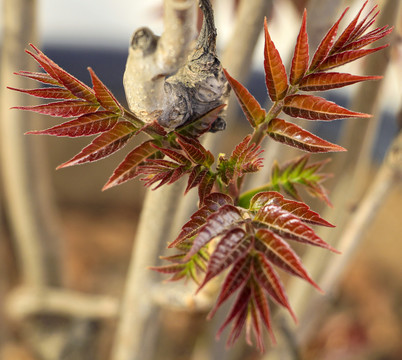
x=230, y=248
x=39, y=76
x=345, y=57
x=297, y=208
x=127, y=168
x=68, y=108
x=85, y=125
x=325, y=45
x=281, y=254
x=293, y=135
x=250, y=106
x=289, y=226
x=104, y=145
x=218, y=223
x=269, y=280
x=316, y=108
x=78, y=88
x=238, y=276
x=47, y=93
x=300, y=56
x=211, y=204
x=244, y=159
x=103, y=94
x=326, y=81
x=275, y=73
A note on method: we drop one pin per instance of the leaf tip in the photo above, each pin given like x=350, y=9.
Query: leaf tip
x=61, y=166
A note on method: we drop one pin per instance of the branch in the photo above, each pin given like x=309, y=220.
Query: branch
x=152, y=58
x=28, y=200
x=389, y=175
x=26, y=301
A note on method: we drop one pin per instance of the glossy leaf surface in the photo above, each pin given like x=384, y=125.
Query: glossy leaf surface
x=300, y=56
x=293, y=135
x=275, y=73
x=315, y=108
x=104, y=145
x=250, y=106
x=85, y=125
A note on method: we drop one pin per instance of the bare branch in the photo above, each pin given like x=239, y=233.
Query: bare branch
x=28, y=196
x=152, y=58
x=27, y=301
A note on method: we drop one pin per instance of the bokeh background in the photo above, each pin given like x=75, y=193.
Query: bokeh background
x=364, y=318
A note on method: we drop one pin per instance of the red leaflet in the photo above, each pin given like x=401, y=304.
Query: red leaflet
x=261, y=303
x=78, y=88
x=346, y=57
x=295, y=136
x=38, y=76
x=346, y=34
x=103, y=95
x=230, y=248
x=363, y=25
x=326, y=44
x=195, y=151
x=174, y=155
x=253, y=322
x=194, y=178
x=297, y=208
x=104, y=145
x=315, y=108
x=127, y=168
x=250, y=106
x=162, y=171
x=269, y=280
x=68, y=108
x=238, y=275
x=281, y=254
x=170, y=269
x=239, y=311
x=300, y=56
x=326, y=81
x=206, y=185
x=275, y=73
x=211, y=204
x=47, y=93
x=89, y=124
x=216, y=200
x=153, y=129
x=219, y=222
x=369, y=38
x=290, y=226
